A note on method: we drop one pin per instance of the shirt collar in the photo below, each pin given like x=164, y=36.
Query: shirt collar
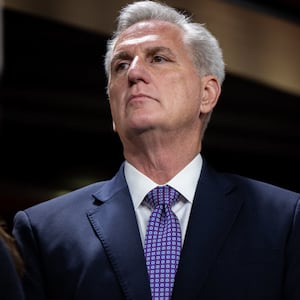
x=185, y=182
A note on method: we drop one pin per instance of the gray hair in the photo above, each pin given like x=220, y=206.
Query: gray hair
x=205, y=49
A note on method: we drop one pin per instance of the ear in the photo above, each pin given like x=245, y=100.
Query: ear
x=211, y=93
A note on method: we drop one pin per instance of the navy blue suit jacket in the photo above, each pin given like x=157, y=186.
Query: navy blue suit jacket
x=242, y=242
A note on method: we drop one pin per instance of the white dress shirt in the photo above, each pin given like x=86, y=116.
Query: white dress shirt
x=185, y=182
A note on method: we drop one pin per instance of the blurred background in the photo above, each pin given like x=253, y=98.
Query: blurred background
x=55, y=124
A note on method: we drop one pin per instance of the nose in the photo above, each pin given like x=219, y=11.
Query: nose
x=138, y=71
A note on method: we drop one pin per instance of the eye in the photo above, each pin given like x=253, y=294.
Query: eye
x=121, y=66
x=159, y=59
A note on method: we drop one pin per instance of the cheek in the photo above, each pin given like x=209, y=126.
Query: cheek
x=175, y=85
x=117, y=107
x=113, y=103
x=116, y=87
x=185, y=89
x=116, y=95
x=112, y=90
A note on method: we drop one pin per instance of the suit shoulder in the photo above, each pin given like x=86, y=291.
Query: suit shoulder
x=77, y=198
x=261, y=190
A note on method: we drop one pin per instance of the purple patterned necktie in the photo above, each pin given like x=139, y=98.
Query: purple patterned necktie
x=163, y=242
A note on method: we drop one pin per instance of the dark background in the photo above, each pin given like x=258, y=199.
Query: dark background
x=55, y=122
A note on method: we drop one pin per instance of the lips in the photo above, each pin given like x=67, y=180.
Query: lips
x=140, y=97
x=135, y=96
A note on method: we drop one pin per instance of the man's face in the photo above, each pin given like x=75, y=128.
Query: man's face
x=153, y=82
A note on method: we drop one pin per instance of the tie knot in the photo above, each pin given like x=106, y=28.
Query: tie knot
x=164, y=195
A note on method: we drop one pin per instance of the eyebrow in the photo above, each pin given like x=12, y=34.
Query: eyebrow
x=157, y=49
x=122, y=55
x=150, y=51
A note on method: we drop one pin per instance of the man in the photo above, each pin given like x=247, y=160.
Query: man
x=236, y=238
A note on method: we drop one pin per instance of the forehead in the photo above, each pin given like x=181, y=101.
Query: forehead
x=150, y=32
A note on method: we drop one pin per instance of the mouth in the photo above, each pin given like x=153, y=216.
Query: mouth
x=139, y=98
x=134, y=96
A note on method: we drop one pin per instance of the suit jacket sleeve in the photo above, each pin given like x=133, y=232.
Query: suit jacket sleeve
x=32, y=281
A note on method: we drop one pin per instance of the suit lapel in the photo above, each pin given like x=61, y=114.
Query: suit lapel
x=115, y=224
x=212, y=217
x=213, y=214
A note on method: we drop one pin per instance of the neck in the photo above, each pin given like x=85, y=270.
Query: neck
x=161, y=157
